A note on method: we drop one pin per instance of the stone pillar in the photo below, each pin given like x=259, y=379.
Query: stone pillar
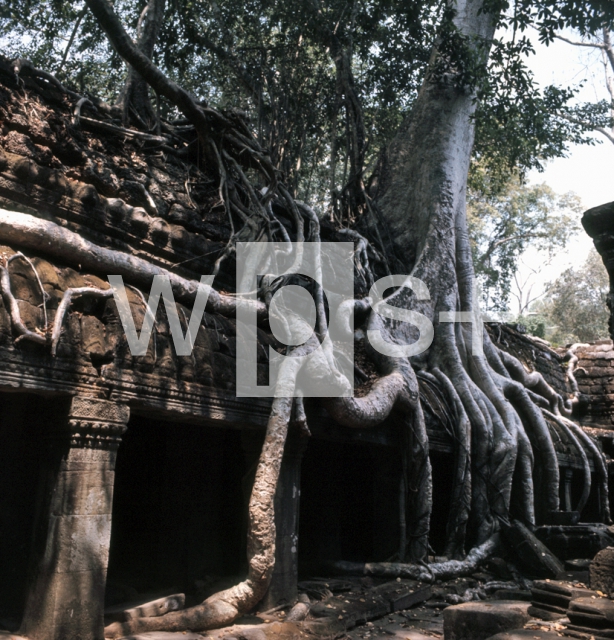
x=598, y=222
x=66, y=596
x=567, y=478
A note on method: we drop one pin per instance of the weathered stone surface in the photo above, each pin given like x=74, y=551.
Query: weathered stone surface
x=586, y=633
x=558, y=593
x=601, y=571
x=544, y=612
x=598, y=222
x=579, y=541
x=597, y=613
x=165, y=635
x=78, y=527
x=481, y=620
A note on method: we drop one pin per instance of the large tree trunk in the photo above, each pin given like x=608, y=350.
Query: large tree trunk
x=134, y=97
x=422, y=186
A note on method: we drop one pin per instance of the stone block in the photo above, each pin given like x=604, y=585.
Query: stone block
x=546, y=612
x=80, y=543
x=97, y=409
x=531, y=551
x=165, y=635
x=62, y=612
x=85, y=491
x=93, y=336
x=586, y=633
x=595, y=613
x=481, y=620
x=601, y=571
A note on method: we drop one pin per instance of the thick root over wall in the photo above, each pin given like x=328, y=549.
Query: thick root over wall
x=502, y=417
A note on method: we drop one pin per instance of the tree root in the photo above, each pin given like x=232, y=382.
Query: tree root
x=51, y=239
x=535, y=381
x=425, y=573
x=600, y=467
x=13, y=308
x=569, y=432
x=67, y=298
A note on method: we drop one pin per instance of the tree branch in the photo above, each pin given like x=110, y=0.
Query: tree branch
x=72, y=38
x=607, y=47
x=575, y=43
x=589, y=126
x=127, y=49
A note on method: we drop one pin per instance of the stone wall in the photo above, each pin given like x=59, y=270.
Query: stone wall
x=594, y=373
x=534, y=353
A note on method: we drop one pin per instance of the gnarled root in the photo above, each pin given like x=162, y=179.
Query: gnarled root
x=49, y=238
x=13, y=308
x=426, y=573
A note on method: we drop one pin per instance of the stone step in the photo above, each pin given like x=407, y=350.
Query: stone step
x=481, y=620
x=596, y=613
x=546, y=612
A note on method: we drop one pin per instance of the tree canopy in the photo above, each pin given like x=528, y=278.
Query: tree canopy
x=503, y=225
x=326, y=84
x=575, y=306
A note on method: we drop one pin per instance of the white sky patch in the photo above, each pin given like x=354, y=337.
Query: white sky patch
x=587, y=171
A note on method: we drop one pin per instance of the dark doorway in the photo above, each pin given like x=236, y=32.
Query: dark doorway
x=177, y=509
x=349, y=504
x=23, y=418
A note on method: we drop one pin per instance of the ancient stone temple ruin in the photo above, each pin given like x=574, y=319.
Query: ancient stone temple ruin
x=127, y=477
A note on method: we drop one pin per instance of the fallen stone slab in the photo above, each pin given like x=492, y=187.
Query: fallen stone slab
x=574, y=576
x=409, y=634
x=147, y=609
x=248, y=634
x=401, y=633
x=534, y=555
x=558, y=593
x=596, y=613
x=586, y=632
x=545, y=612
x=513, y=594
x=264, y=631
x=526, y=634
x=579, y=541
x=354, y=609
x=401, y=596
x=481, y=620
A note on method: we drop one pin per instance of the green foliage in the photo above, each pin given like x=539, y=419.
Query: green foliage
x=575, y=307
x=41, y=30
x=503, y=223
x=535, y=324
x=276, y=61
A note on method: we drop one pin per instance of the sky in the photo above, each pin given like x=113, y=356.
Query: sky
x=588, y=170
